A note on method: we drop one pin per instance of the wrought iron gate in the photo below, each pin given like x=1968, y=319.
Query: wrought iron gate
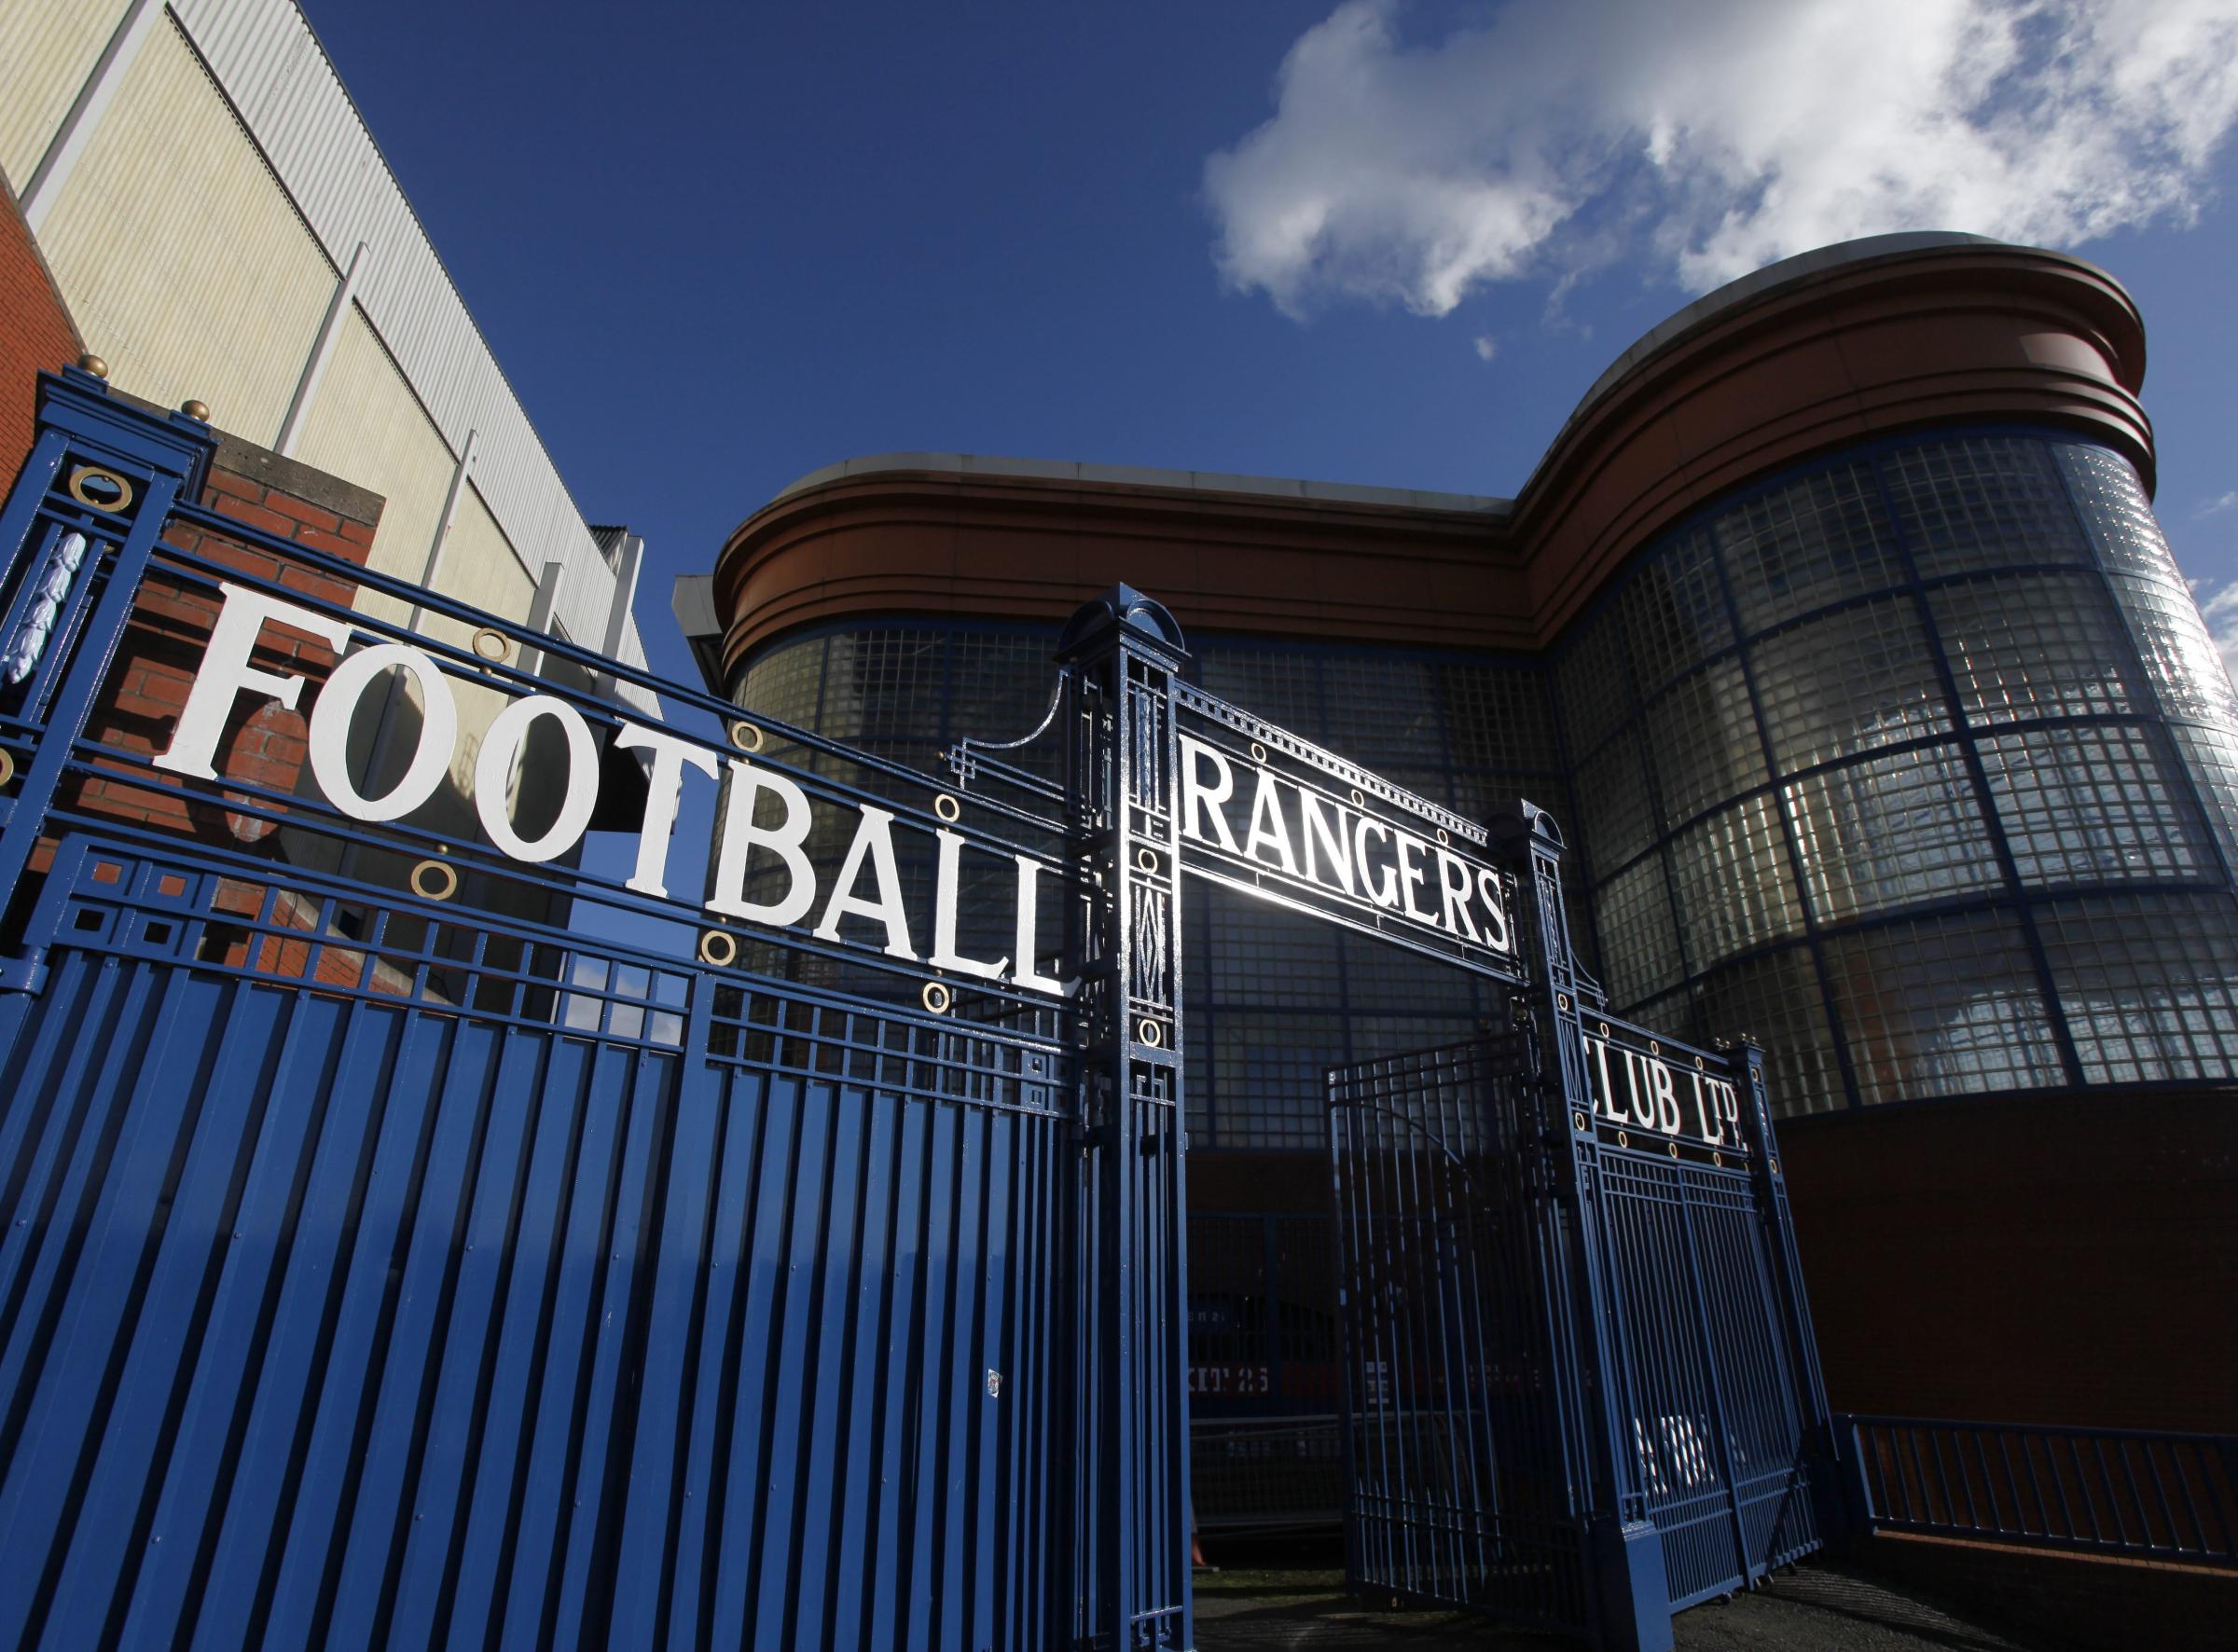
x=409, y=1236
x=1581, y=1385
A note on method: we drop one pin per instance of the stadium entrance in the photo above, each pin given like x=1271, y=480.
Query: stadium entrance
x=417, y=1228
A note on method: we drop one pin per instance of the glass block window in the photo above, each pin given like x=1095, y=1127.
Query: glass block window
x=1270, y=1077
x=2212, y=756
x=1639, y=936
x=2150, y=984
x=1382, y=711
x=1776, y=1000
x=2092, y=803
x=1703, y=741
x=2116, y=512
x=1285, y=688
x=2028, y=646
x=1381, y=977
x=1613, y=816
x=1001, y=686
x=1735, y=889
x=1674, y=612
x=1499, y=717
x=1942, y=1006
x=1261, y=954
x=1849, y=683
x=1890, y=831
x=1811, y=543
x=785, y=683
x=1594, y=683
x=2180, y=659
x=1983, y=501
x=885, y=684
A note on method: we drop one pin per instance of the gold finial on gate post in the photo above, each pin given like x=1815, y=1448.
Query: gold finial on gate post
x=89, y=363
x=199, y=412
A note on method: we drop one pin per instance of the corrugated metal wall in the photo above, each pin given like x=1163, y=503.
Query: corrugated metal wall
x=328, y=1318
x=300, y=120
x=273, y=69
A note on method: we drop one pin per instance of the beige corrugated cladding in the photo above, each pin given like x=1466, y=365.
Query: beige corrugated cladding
x=183, y=266
x=199, y=259
x=45, y=53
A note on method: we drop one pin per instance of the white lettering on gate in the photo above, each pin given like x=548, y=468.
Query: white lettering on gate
x=743, y=845
x=336, y=710
x=493, y=777
x=740, y=836
x=664, y=789
x=1295, y=830
x=1650, y=1098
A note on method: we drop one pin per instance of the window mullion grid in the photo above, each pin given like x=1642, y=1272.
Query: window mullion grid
x=1852, y=1095
x=1962, y=732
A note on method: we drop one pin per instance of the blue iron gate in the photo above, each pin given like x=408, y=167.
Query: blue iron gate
x=1581, y=1385
x=410, y=1234
x=414, y=1231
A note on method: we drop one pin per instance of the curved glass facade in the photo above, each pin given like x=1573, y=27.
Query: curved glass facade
x=1918, y=765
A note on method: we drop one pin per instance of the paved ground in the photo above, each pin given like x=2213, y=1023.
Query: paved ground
x=1814, y=1605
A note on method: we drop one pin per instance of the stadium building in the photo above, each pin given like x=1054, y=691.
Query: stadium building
x=1836, y=630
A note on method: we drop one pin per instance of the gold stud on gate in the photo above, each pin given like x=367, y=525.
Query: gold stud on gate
x=1776, y=1167
x=1258, y=753
x=1719, y=1160
x=718, y=947
x=1577, y=1118
x=1148, y=1032
x=1604, y=1030
x=1445, y=836
x=1562, y=1003
x=937, y=998
x=1358, y=801
x=99, y=490
x=1674, y=1150
x=1698, y=1066
x=947, y=808
x=492, y=645
x=434, y=880
x=8, y=767
x=745, y=735
x=1654, y=1047
x=1147, y=859
x=1624, y=1139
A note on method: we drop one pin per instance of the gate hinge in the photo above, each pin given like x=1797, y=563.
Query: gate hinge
x=23, y=974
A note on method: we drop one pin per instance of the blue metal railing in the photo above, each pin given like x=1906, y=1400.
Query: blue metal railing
x=2122, y=1492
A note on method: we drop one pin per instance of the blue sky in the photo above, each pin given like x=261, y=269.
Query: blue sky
x=717, y=246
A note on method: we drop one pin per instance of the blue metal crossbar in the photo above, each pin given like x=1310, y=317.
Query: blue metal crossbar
x=2132, y=1492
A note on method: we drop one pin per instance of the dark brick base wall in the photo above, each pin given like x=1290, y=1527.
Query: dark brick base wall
x=2068, y=1602
x=2062, y=1260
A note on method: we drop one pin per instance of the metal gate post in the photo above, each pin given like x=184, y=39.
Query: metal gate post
x=1122, y=652
x=119, y=471
x=1835, y=1500
x=1632, y=1591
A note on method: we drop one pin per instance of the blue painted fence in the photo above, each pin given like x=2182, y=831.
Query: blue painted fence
x=403, y=1244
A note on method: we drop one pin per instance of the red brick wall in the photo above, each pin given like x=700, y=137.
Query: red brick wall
x=264, y=741
x=36, y=333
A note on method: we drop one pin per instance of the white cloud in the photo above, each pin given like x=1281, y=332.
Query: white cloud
x=1718, y=134
x=1486, y=347
x=2219, y=609
x=2215, y=508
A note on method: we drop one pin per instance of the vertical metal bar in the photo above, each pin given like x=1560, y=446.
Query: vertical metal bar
x=1634, y=1593
x=627, y=564
x=85, y=110
x=321, y=351
x=1122, y=654
x=171, y=455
